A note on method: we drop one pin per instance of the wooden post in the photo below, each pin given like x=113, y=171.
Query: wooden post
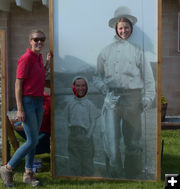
x=11, y=135
x=3, y=97
x=158, y=156
x=52, y=89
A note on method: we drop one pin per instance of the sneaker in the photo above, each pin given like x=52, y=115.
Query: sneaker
x=29, y=178
x=6, y=176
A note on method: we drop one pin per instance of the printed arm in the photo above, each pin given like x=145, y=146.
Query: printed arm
x=149, y=85
x=91, y=129
x=94, y=114
x=99, y=79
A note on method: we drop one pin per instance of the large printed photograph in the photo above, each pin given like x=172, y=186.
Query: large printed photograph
x=105, y=60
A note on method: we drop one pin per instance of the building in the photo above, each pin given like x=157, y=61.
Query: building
x=171, y=55
x=18, y=17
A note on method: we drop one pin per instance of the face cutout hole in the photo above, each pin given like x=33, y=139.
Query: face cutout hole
x=124, y=28
x=80, y=87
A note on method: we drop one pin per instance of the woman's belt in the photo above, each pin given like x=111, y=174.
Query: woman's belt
x=38, y=97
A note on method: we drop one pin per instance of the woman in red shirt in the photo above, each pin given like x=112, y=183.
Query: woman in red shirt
x=29, y=88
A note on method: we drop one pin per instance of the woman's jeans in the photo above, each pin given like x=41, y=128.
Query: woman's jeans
x=43, y=145
x=33, y=107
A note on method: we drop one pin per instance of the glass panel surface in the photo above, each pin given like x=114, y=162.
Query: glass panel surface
x=110, y=131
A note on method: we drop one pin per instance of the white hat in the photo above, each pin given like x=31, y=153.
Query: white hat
x=120, y=13
x=80, y=77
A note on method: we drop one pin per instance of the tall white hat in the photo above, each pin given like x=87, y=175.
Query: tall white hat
x=120, y=13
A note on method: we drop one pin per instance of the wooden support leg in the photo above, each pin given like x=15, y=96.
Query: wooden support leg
x=11, y=135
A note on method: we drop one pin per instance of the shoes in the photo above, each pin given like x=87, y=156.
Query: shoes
x=29, y=178
x=6, y=176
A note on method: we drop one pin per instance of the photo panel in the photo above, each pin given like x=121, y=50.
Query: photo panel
x=105, y=88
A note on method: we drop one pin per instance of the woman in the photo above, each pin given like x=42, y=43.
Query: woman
x=129, y=86
x=29, y=88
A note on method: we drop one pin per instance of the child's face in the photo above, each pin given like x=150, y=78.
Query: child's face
x=80, y=87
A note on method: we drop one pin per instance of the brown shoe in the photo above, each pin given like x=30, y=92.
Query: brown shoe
x=6, y=176
x=29, y=178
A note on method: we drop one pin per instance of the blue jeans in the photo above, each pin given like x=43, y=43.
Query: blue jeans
x=43, y=145
x=33, y=108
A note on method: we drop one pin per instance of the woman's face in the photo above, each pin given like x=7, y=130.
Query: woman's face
x=124, y=30
x=80, y=87
x=37, y=42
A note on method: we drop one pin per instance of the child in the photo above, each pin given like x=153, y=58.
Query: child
x=81, y=116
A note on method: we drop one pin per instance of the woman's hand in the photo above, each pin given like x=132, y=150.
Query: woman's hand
x=20, y=115
x=49, y=56
x=48, y=59
x=18, y=94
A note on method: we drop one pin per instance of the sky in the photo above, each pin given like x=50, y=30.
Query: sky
x=81, y=27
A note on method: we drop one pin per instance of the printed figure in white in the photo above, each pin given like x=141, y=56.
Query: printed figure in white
x=127, y=82
x=81, y=115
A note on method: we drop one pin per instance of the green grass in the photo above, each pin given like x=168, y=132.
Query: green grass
x=171, y=157
x=170, y=164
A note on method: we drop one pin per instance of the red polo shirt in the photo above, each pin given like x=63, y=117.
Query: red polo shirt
x=30, y=68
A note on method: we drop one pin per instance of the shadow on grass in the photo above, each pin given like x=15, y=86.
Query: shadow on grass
x=170, y=165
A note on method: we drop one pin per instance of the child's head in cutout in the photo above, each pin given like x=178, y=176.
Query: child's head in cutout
x=80, y=87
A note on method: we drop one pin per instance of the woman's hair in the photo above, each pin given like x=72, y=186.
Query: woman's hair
x=36, y=31
x=123, y=19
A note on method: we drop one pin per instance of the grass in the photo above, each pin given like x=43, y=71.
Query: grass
x=171, y=158
x=170, y=164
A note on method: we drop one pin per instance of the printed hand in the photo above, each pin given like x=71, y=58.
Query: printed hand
x=104, y=90
x=115, y=99
x=146, y=103
x=111, y=101
x=88, y=135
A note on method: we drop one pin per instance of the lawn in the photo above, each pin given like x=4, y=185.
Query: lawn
x=170, y=164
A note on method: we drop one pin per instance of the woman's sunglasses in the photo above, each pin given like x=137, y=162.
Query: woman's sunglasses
x=42, y=39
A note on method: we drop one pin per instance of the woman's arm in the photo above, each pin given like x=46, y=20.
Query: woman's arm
x=18, y=94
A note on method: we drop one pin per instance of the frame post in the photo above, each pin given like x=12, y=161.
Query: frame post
x=4, y=96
